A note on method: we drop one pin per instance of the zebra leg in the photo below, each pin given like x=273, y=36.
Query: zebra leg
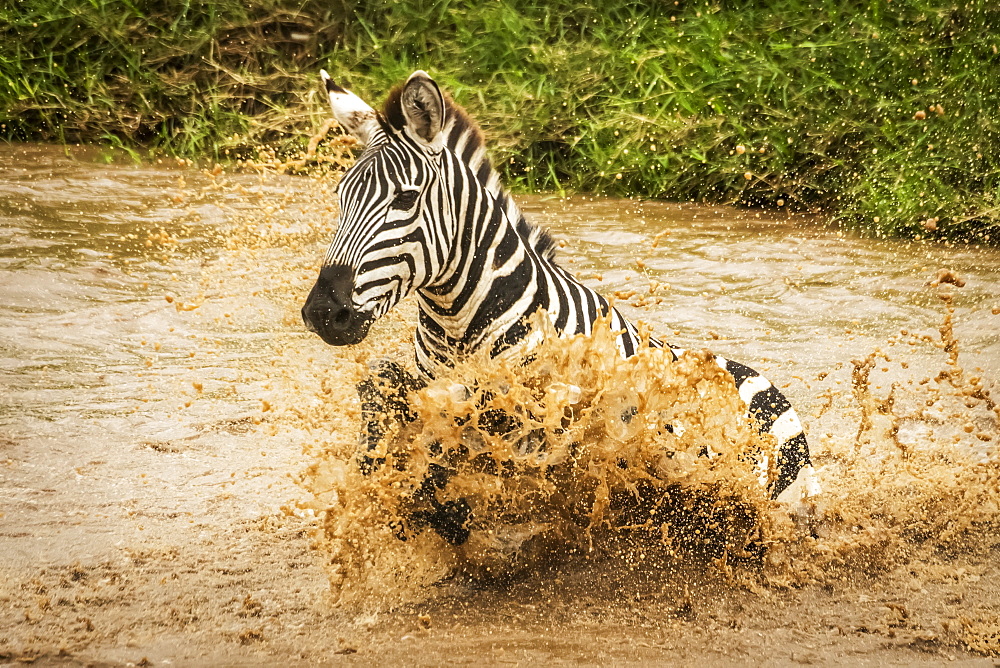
x=449, y=519
x=773, y=414
x=383, y=403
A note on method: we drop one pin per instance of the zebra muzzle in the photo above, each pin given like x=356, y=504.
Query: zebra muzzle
x=329, y=311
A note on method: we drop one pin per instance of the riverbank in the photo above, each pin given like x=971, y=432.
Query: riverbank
x=883, y=115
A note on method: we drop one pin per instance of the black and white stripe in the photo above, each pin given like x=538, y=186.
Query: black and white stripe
x=424, y=213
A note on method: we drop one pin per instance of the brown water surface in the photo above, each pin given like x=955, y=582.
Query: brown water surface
x=161, y=407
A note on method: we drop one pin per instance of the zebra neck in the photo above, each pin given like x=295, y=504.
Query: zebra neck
x=487, y=287
x=493, y=280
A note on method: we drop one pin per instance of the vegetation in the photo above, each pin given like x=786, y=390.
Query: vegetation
x=886, y=114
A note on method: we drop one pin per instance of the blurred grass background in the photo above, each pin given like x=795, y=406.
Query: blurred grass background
x=883, y=114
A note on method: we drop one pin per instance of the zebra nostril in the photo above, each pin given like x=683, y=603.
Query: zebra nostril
x=341, y=317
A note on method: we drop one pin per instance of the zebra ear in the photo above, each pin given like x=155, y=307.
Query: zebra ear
x=356, y=117
x=423, y=106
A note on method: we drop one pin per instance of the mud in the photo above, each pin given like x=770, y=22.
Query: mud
x=176, y=452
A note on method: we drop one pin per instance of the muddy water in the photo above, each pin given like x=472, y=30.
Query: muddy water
x=173, y=445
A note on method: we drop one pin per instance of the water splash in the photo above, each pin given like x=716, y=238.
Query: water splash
x=908, y=467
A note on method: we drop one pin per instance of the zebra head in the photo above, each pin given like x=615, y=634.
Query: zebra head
x=380, y=252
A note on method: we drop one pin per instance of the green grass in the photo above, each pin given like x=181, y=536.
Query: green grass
x=620, y=99
x=181, y=76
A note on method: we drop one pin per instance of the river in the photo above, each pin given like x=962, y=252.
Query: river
x=172, y=441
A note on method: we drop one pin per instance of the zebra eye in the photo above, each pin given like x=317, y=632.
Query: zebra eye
x=404, y=199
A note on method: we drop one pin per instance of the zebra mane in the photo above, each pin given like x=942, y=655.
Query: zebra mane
x=466, y=139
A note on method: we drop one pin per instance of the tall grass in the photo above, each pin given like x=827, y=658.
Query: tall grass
x=886, y=114
x=184, y=76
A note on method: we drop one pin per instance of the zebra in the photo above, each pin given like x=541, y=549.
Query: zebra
x=423, y=212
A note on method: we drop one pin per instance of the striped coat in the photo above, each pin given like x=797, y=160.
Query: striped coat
x=423, y=212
